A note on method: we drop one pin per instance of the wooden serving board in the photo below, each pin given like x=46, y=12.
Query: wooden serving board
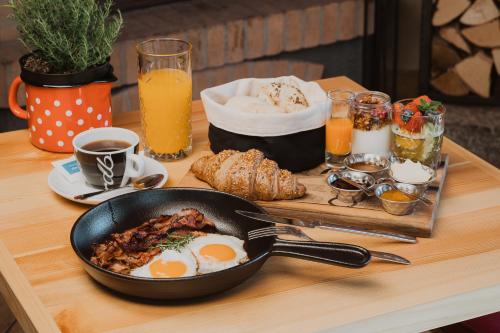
x=367, y=213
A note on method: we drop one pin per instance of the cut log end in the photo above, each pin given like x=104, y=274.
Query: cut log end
x=496, y=59
x=484, y=35
x=450, y=84
x=475, y=72
x=480, y=12
x=452, y=35
x=447, y=10
x=443, y=55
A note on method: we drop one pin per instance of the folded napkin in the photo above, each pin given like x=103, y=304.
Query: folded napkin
x=68, y=168
x=250, y=116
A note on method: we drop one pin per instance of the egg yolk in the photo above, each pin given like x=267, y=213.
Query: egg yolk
x=167, y=269
x=218, y=252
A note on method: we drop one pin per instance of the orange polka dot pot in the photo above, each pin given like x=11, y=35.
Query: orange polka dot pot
x=56, y=114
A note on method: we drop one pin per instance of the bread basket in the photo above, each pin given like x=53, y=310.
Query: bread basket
x=295, y=140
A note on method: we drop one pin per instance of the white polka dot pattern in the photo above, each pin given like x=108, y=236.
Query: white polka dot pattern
x=60, y=143
x=70, y=133
x=37, y=100
x=80, y=122
x=32, y=108
x=69, y=113
x=39, y=121
x=57, y=103
x=33, y=128
x=99, y=116
x=41, y=140
x=90, y=109
x=49, y=132
x=58, y=123
x=78, y=101
x=47, y=113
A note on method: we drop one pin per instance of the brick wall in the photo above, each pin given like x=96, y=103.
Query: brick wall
x=223, y=33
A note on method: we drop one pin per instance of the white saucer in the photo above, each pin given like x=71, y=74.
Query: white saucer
x=64, y=188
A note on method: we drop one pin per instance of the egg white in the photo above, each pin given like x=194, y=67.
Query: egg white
x=209, y=264
x=169, y=255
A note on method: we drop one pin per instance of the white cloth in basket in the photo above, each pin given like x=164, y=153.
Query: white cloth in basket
x=238, y=119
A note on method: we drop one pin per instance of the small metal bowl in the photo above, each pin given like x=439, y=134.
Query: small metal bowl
x=397, y=207
x=380, y=161
x=422, y=186
x=350, y=196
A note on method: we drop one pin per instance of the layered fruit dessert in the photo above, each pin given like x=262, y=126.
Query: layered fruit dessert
x=370, y=114
x=417, y=130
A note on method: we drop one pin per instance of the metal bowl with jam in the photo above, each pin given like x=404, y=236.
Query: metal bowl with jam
x=346, y=192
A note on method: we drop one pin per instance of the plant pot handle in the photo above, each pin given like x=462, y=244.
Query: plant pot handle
x=14, y=106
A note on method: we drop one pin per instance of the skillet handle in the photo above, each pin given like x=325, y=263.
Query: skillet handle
x=345, y=255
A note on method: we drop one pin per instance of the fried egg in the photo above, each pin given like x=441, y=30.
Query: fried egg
x=168, y=264
x=215, y=252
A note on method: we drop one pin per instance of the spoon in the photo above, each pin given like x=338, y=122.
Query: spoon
x=142, y=183
x=357, y=185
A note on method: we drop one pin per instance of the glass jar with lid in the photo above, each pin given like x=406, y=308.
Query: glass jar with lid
x=371, y=117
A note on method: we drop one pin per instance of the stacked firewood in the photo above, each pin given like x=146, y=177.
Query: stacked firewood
x=465, y=46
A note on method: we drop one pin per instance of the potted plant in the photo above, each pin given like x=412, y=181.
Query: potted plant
x=66, y=73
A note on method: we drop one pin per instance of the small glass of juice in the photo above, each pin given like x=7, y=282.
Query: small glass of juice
x=339, y=128
x=165, y=93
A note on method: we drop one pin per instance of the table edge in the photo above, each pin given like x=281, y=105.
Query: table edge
x=21, y=297
x=472, y=305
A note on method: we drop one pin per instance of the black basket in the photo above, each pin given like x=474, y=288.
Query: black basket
x=295, y=152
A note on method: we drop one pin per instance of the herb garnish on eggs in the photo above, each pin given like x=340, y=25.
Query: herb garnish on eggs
x=175, y=242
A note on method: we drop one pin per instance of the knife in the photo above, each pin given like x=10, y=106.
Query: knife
x=326, y=226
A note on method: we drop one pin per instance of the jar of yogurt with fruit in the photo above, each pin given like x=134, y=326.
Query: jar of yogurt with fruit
x=371, y=118
x=418, y=127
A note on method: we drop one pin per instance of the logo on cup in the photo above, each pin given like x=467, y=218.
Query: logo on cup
x=106, y=168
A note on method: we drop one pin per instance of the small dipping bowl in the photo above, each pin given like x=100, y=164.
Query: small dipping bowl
x=422, y=186
x=372, y=164
x=354, y=195
x=397, y=207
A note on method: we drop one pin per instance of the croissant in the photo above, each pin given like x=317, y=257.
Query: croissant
x=248, y=175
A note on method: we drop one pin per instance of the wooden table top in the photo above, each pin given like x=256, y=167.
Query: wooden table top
x=454, y=276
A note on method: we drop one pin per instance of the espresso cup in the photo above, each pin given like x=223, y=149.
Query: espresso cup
x=107, y=156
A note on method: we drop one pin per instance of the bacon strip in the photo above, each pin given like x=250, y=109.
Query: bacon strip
x=135, y=247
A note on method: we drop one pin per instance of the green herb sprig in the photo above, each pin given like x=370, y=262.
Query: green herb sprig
x=429, y=108
x=175, y=242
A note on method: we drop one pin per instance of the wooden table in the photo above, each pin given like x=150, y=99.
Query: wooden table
x=454, y=276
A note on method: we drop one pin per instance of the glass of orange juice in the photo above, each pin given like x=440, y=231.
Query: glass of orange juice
x=338, y=128
x=165, y=92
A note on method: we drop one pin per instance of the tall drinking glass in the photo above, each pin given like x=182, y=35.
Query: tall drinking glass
x=338, y=128
x=165, y=92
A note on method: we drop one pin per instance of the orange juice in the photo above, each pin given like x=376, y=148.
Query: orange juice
x=338, y=136
x=165, y=97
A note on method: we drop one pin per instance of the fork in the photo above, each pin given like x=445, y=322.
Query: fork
x=287, y=230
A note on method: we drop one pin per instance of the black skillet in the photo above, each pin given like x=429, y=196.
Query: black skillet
x=130, y=210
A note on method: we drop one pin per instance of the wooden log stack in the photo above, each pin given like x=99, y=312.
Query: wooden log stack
x=465, y=47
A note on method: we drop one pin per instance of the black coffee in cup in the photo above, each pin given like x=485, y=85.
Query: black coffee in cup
x=106, y=145
x=108, y=156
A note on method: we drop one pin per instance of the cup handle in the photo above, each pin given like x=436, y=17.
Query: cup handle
x=13, y=105
x=135, y=167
